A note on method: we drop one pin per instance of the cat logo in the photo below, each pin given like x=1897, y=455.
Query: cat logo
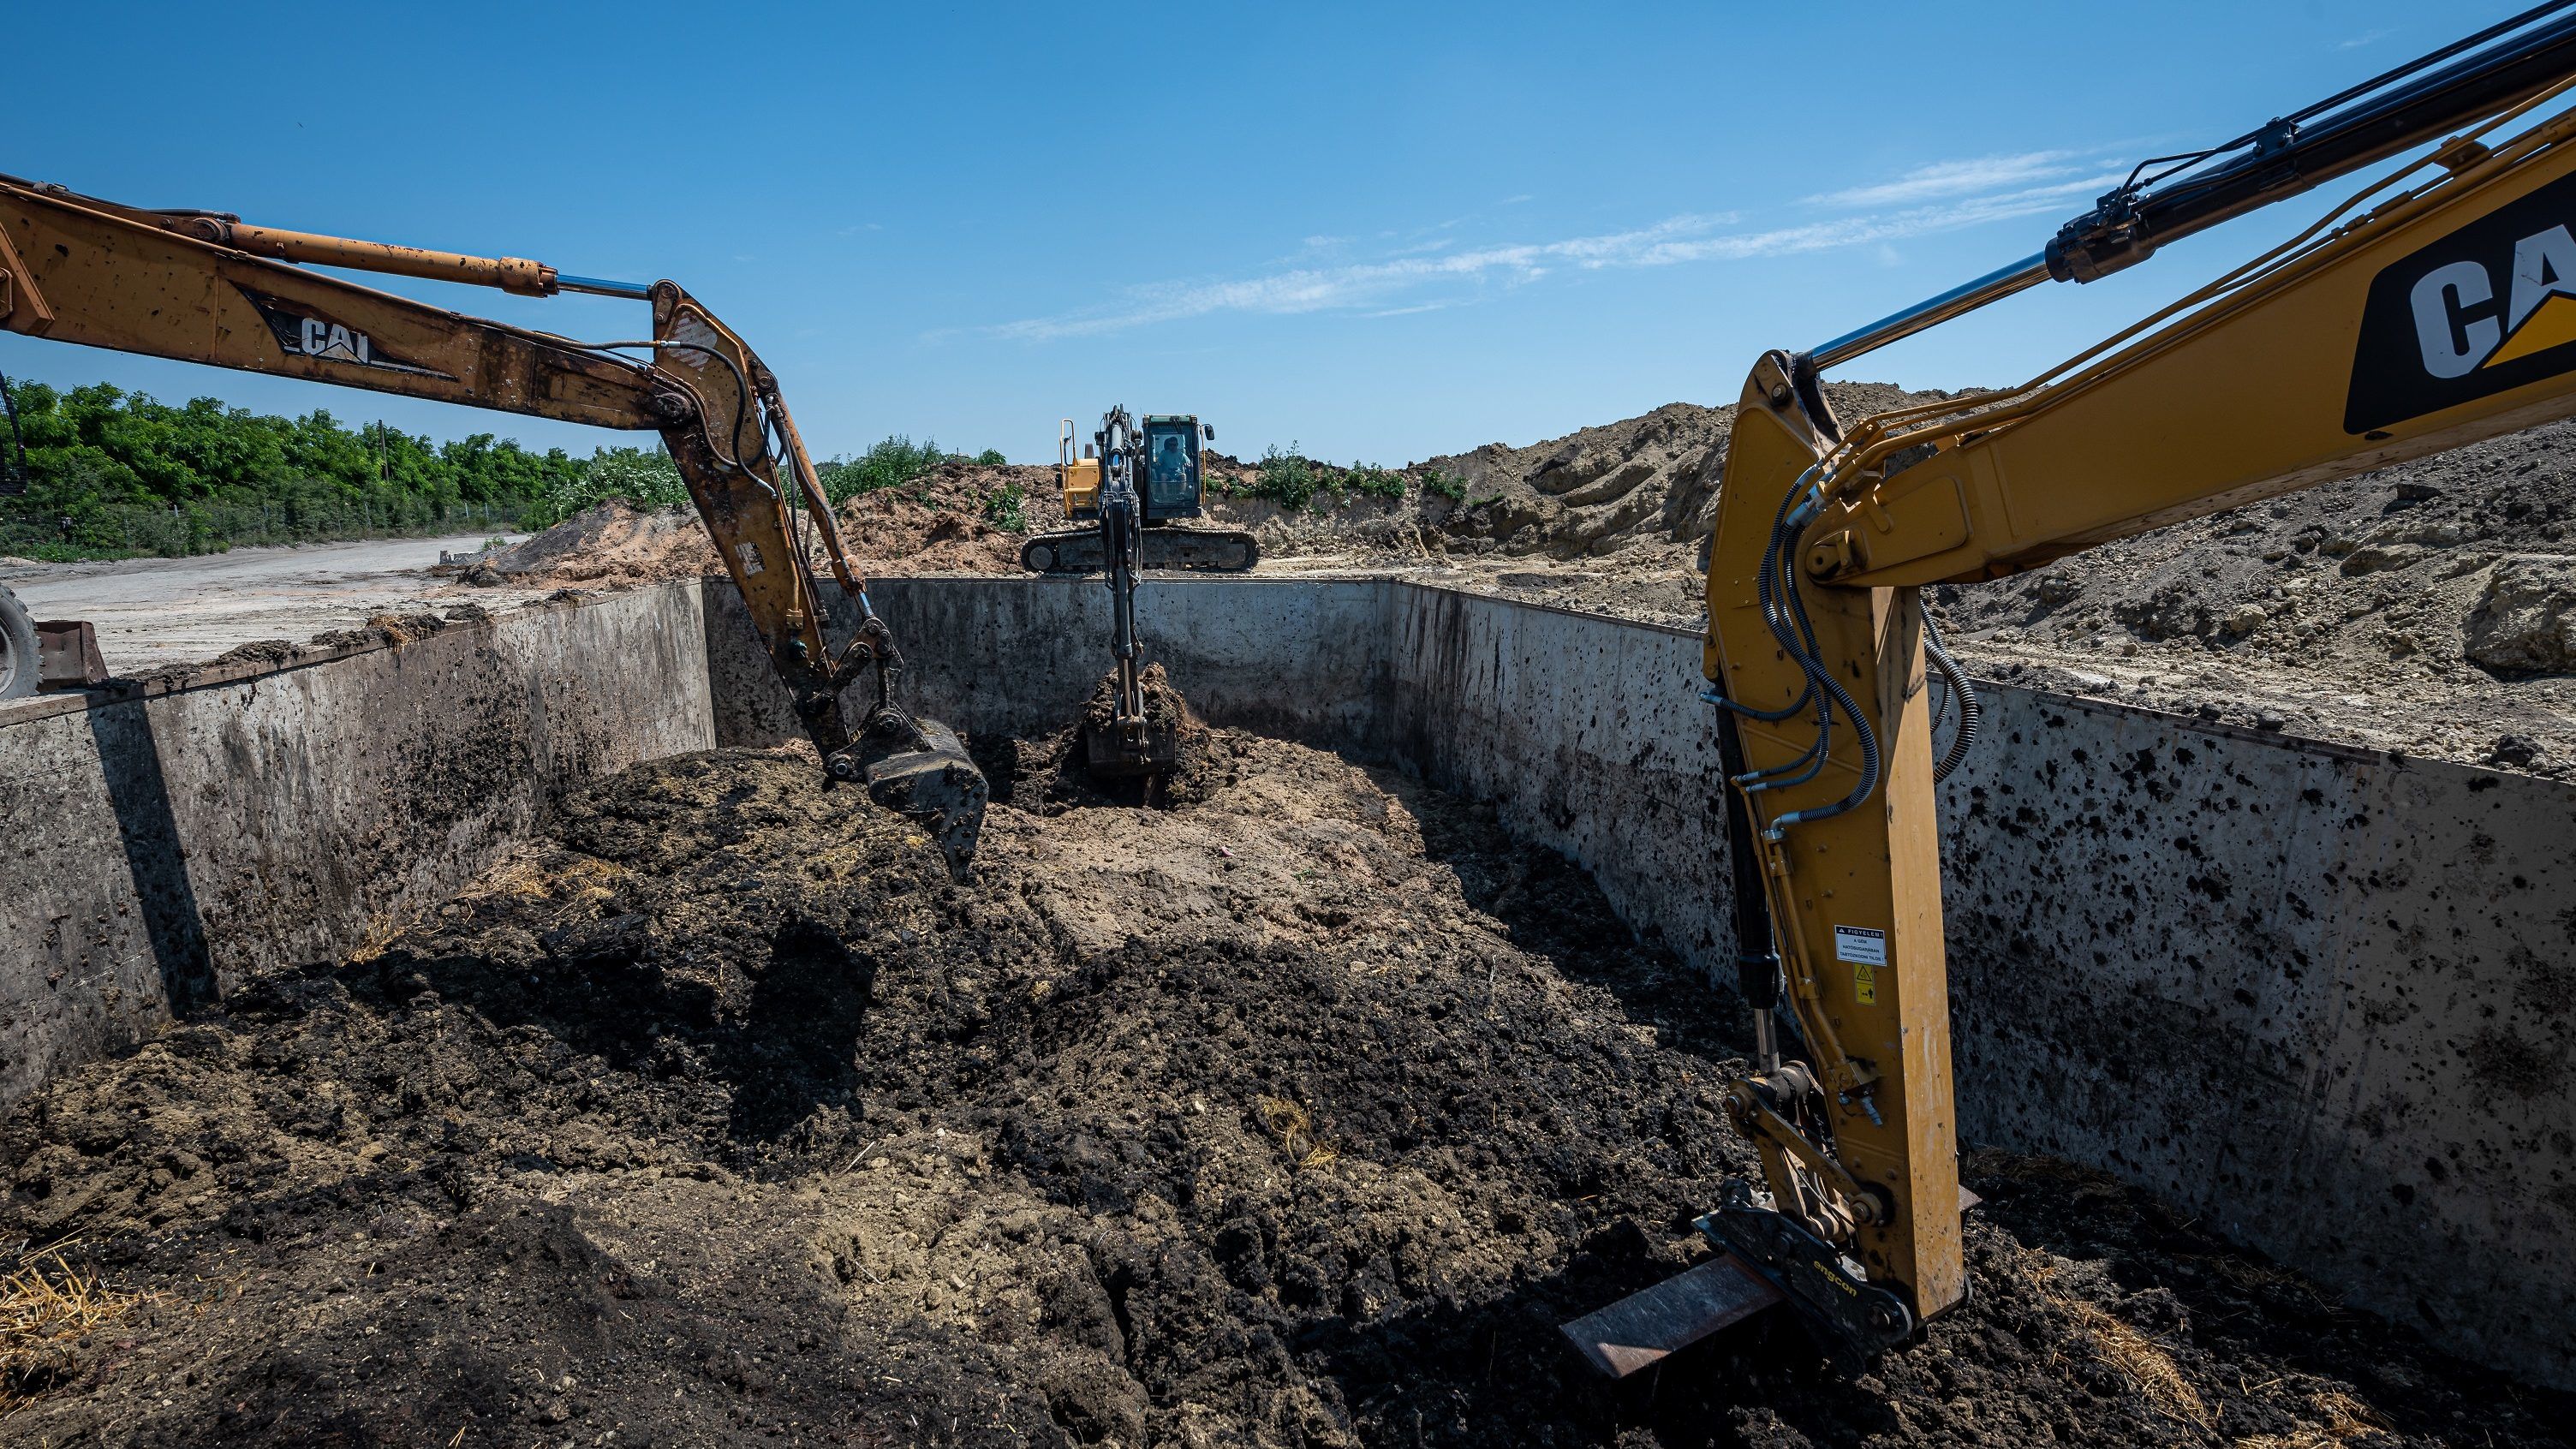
x=2489, y=308
x=330, y=339
x=321, y=338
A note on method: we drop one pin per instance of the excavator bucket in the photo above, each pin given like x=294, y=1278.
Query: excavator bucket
x=1651, y=1324
x=920, y=769
x=1154, y=750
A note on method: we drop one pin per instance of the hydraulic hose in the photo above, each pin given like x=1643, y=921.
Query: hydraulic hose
x=1799, y=643
x=1961, y=690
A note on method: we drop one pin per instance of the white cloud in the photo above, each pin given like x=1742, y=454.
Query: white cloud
x=1430, y=275
x=1955, y=178
x=1315, y=289
x=2367, y=37
x=1886, y=227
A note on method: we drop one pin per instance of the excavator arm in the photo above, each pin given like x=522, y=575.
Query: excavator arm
x=2436, y=308
x=207, y=287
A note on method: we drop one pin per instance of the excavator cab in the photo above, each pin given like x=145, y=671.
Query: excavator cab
x=1172, y=476
x=1163, y=454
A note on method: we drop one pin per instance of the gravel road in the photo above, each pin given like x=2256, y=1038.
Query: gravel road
x=153, y=612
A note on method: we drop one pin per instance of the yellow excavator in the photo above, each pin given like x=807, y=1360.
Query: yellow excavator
x=2435, y=307
x=208, y=287
x=1132, y=484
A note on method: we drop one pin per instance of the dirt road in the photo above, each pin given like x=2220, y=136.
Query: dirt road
x=152, y=612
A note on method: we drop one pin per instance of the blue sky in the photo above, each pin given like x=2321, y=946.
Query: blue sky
x=1384, y=232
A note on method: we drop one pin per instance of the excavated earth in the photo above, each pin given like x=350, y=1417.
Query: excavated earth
x=1295, y=1114
x=2428, y=609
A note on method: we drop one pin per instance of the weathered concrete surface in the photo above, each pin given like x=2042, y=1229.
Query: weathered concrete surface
x=1018, y=656
x=156, y=849
x=2321, y=996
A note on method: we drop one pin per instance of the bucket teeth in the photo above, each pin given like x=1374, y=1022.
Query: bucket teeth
x=1153, y=750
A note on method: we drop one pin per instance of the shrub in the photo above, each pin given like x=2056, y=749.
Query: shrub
x=991, y=458
x=889, y=464
x=1447, y=485
x=1370, y=481
x=131, y=474
x=1006, y=508
x=1286, y=479
x=646, y=479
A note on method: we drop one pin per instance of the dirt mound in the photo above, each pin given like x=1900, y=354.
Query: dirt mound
x=2429, y=607
x=1642, y=491
x=1051, y=776
x=1642, y=481
x=956, y=518
x=1296, y=1115
x=612, y=544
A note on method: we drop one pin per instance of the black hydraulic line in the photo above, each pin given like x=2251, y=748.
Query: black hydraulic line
x=1970, y=712
x=2300, y=151
x=2354, y=128
x=1769, y=582
x=1757, y=958
x=2380, y=81
x=1796, y=636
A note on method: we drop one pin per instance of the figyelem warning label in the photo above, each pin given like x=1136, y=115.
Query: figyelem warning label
x=1860, y=946
x=1865, y=951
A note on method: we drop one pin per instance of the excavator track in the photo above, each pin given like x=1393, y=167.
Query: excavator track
x=1200, y=550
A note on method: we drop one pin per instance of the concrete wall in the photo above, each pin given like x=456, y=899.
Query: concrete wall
x=2319, y=996
x=1017, y=656
x=2322, y=997
x=157, y=847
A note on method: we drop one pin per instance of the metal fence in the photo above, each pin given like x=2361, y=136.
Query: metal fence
x=175, y=532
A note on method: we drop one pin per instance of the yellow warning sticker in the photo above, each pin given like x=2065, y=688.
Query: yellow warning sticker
x=1865, y=950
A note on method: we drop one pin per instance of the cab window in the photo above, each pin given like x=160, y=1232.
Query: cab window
x=1168, y=470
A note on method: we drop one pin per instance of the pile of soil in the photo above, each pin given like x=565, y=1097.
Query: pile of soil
x=1296, y=1114
x=2429, y=608
x=1052, y=775
x=608, y=546
x=394, y=628
x=949, y=520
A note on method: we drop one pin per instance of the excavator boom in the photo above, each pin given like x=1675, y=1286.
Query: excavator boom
x=2435, y=308
x=206, y=287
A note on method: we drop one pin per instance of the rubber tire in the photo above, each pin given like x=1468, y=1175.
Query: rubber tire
x=20, y=666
